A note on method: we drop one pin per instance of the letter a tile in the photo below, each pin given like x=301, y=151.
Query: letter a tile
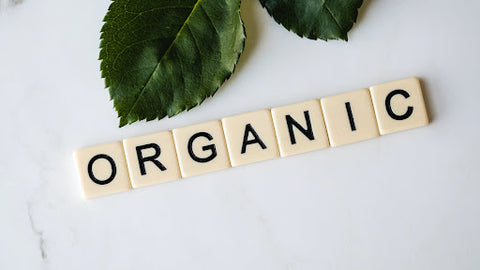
x=399, y=105
x=102, y=169
x=151, y=159
x=250, y=137
x=201, y=148
x=300, y=128
x=349, y=117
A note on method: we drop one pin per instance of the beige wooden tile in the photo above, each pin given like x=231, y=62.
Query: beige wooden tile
x=201, y=148
x=399, y=105
x=250, y=137
x=151, y=159
x=300, y=128
x=102, y=169
x=349, y=117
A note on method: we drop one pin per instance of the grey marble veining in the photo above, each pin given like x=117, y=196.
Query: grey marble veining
x=405, y=201
x=9, y=3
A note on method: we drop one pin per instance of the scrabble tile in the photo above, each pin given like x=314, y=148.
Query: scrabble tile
x=250, y=137
x=201, y=148
x=399, y=105
x=349, y=117
x=102, y=169
x=300, y=128
x=151, y=159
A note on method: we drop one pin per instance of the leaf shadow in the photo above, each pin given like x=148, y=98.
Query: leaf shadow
x=363, y=10
x=249, y=11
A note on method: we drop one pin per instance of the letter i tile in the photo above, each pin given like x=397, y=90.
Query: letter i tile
x=102, y=169
x=151, y=159
x=349, y=117
x=201, y=148
x=250, y=137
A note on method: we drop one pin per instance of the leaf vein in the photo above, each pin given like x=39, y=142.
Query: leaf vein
x=147, y=11
x=160, y=61
x=135, y=43
x=210, y=19
x=325, y=4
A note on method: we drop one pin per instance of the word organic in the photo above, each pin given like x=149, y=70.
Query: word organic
x=251, y=137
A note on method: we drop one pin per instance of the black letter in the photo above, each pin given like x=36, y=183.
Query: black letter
x=249, y=129
x=350, y=116
x=142, y=160
x=210, y=147
x=90, y=169
x=389, y=107
x=307, y=132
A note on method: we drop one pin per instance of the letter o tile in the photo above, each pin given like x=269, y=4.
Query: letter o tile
x=102, y=169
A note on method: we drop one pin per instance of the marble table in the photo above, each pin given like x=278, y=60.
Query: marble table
x=409, y=200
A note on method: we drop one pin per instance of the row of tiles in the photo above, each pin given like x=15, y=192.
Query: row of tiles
x=251, y=137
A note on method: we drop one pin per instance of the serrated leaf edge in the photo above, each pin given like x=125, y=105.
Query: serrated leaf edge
x=124, y=119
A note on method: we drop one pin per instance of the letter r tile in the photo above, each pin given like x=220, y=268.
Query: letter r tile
x=151, y=159
x=399, y=105
x=102, y=169
x=250, y=137
x=201, y=148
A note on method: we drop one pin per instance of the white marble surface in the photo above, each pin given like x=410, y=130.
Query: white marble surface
x=404, y=201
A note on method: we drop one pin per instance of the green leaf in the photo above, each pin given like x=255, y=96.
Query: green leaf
x=161, y=57
x=315, y=19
